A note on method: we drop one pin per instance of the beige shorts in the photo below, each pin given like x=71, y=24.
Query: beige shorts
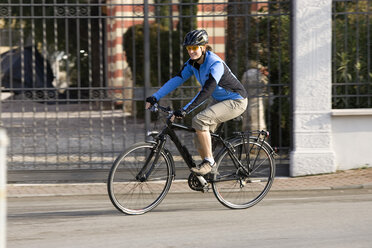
x=212, y=116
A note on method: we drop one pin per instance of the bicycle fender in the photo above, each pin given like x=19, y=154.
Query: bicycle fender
x=266, y=145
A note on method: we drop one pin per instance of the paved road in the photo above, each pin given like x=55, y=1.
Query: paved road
x=329, y=218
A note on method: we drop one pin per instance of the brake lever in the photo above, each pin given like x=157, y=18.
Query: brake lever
x=154, y=108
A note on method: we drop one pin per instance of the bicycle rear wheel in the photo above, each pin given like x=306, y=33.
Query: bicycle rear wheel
x=129, y=190
x=240, y=189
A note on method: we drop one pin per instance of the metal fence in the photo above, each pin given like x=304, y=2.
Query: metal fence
x=75, y=73
x=352, y=55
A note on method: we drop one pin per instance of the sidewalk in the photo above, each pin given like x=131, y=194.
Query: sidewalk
x=350, y=179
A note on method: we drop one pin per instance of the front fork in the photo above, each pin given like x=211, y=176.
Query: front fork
x=150, y=163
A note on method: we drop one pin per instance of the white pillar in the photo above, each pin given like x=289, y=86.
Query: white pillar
x=312, y=43
x=3, y=145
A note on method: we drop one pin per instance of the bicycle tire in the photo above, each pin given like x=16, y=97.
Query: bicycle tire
x=243, y=191
x=133, y=196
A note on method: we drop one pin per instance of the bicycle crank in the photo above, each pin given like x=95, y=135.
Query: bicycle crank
x=197, y=183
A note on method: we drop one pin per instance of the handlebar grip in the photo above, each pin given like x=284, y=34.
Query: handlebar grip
x=155, y=107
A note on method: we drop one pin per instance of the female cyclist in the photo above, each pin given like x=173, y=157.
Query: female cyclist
x=217, y=81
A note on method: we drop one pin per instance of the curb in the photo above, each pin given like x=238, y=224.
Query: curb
x=178, y=186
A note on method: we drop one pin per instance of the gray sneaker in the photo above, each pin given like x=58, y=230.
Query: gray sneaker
x=204, y=168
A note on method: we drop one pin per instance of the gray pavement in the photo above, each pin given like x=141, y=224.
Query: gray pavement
x=284, y=219
x=349, y=179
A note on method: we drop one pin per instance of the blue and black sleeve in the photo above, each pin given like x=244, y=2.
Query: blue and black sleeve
x=203, y=95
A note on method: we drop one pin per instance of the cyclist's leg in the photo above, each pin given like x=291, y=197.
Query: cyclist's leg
x=211, y=117
x=208, y=120
x=204, y=147
x=197, y=144
x=215, y=114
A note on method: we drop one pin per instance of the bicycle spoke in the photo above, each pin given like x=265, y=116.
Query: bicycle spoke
x=129, y=189
x=242, y=190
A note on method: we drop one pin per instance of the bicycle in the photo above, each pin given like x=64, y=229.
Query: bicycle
x=141, y=176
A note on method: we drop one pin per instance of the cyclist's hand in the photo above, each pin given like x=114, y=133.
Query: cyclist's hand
x=151, y=100
x=180, y=113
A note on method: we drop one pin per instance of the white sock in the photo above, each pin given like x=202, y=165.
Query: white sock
x=210, y=160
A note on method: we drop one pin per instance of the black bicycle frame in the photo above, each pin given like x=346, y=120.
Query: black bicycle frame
x=169, y=130
x=161, y=139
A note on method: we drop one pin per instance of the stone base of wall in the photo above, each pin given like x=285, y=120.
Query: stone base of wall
x=309, y=163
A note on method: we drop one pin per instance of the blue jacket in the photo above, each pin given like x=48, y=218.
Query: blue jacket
x=215, y=77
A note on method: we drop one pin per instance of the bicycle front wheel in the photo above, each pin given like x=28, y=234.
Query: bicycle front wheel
x=137, y=183
x=240, y=188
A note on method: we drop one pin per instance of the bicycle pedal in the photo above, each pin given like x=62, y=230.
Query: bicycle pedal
x=205, y=189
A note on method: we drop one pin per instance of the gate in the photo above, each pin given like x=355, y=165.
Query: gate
x=75, y=73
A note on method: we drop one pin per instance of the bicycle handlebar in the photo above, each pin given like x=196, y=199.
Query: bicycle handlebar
x=156, y=107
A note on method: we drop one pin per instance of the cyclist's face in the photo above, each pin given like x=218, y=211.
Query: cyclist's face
x=195, y=52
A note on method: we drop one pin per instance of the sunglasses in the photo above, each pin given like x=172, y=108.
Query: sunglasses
x=192, y=48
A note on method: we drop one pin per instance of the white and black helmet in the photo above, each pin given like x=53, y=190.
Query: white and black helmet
x=196, y=38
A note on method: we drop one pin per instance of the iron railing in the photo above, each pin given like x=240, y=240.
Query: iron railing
x=75, y=73
x=352, y=54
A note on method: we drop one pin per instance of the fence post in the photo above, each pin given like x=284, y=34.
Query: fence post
x=3, y=145
x=312, y=88
x=146, y=34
